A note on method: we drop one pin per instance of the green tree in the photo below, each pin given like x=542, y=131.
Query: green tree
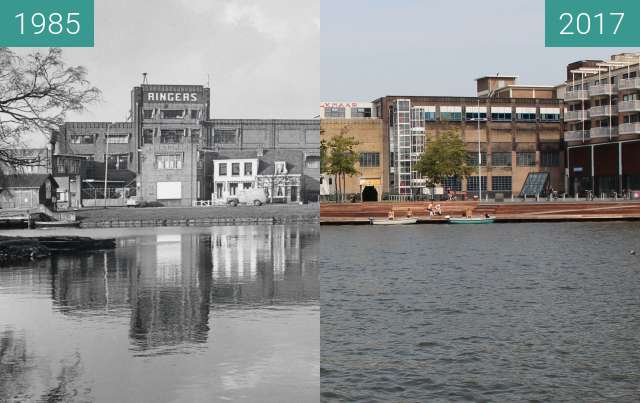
x=36, y=93
x=341, y=161
x=445, y=156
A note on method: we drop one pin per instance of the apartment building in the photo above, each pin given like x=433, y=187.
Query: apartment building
x=602, y=124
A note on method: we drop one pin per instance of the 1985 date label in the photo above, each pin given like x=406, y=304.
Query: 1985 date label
x=45, y=23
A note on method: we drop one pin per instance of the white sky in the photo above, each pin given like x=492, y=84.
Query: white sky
x=263, y=57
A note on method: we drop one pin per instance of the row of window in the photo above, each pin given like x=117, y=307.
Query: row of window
x=341, y=112
x=169, y=136
x=475, y=116
x=90, y=138
x=171, y=113
x=235, y=169
x=523, y=159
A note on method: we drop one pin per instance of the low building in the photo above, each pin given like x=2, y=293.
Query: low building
x=370, y=182
x=25, y=191
x=278, y=172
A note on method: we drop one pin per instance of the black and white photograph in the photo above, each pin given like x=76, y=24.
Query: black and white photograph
x=159, y=207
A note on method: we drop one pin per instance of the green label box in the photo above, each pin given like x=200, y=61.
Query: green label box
x=592, y=23
x=46, y=23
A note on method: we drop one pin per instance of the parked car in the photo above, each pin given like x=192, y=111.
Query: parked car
x=132, y=201
x=254, y=196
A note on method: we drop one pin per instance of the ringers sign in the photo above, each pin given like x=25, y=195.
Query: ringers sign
x=179, y=97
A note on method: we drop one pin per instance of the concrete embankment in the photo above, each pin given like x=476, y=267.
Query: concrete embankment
x=197, y=216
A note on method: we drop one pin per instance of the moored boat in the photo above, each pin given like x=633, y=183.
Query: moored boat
x=471, y=220
x=394, y=221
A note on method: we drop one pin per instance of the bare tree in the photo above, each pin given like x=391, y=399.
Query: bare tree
x=36, y=93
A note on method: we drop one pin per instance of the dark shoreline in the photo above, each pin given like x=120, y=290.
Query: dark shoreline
x=14, y=250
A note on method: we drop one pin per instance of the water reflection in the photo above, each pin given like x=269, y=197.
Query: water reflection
x=165, y=289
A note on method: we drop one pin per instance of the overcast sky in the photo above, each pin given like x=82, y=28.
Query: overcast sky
x=262, y=56
x=372, y=48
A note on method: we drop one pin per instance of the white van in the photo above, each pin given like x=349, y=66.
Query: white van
x=254, y=196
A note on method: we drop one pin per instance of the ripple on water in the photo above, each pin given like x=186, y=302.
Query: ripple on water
x=488, y=313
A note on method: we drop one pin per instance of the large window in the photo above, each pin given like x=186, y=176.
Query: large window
x=195, y=113
x=82, y=139
x=360, y=112
x=148, y=113
x=235, y=169
x=526, y=159
x=222, y=169
x=549, y=158
x=170, y=136
x=472, y=158
x=451, y=116
x=334, y=112
x=369, y=160
x=501, y=116
x=452, y=183
x=429, y=116
x=550, y=117
x=118, y=138
x=501, y=183
x=312, y=162
x=169, y=161
x=172, y=113
x=472, y=184
x=501, y=159
x=224, y=136
x=147, y=136
x=248, y=169
x=118, y=162
x=527, y=117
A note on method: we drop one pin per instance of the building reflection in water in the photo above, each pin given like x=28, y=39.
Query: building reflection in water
x=168, y=283
x=170, y=291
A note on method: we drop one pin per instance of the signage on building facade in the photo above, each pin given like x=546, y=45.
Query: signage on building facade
x=179, y=97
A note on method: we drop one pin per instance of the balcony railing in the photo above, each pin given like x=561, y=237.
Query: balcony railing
x=572, y=116
x=602, y=89
x=629, y=128
x=576, y=135
x=629, y=84
x=603, y=132
x=579, y=95
x=629, y=106
x=603, y=110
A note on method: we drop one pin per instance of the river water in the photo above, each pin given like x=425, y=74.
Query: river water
x=172, y=314
x=501, y=313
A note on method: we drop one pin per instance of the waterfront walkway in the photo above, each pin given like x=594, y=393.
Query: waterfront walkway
x=359, y=213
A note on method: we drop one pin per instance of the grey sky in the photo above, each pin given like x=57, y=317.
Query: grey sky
x=371, y=48
x=263, y=56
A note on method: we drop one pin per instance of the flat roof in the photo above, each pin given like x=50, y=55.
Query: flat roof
x=498, y=76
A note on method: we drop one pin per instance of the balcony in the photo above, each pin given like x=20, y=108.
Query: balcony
x=576, y=135
x=629, y=128
x=602, y=89
x=603, y=132
x=580, y=95
x=629, y=84
x=629, y=106
x=603, y=110
x=573, y=116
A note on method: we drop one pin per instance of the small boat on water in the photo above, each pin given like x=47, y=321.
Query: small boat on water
x=471, y=220
x=394, y=221
x=56, y=224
